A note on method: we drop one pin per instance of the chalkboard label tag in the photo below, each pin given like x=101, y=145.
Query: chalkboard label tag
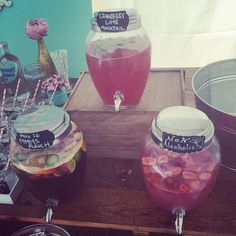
x=182, y=144
x=115, y=21
x=38, y=140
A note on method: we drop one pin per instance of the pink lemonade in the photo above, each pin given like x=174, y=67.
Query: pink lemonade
x=124, y=70
x=178, y=180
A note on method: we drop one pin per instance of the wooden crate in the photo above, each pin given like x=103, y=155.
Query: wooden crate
x=121, y=133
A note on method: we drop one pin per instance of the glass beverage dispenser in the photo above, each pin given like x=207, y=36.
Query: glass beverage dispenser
x=180, y=160
x=118, y=54
x=47, y=152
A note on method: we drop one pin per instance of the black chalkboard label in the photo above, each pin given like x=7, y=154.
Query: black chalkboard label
x=182, y=144
x=38, y=140
x=115, y=21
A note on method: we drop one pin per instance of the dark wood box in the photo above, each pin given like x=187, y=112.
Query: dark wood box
x=121, y=134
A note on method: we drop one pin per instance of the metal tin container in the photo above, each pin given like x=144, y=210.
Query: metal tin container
x=41, y=230
x=214, y=87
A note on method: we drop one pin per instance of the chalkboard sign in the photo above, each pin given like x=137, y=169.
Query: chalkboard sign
x=37, y=140
x=182, y=144
x=115, y=21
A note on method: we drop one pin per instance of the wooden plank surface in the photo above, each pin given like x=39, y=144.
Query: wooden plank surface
x=106, y=129
x=158, y=93
x=114, y=196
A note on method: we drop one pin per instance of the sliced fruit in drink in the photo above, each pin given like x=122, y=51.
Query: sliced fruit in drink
x=148, y=161
x=162, y=159
x=183, y=188
x=205, y=176
x=175, y=170
x=147, y=170
x=52, y=159
x=71, y=165
x=211, y=167
x=36, y=161
x=195, y=185
x=187, y=159
x=189, y=175
x=195, y=168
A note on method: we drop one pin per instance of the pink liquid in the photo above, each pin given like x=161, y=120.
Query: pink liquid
x=178, y=180
x=122, y=70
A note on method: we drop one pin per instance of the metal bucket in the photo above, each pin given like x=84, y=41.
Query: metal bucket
x=41, y=230
x=214, y=88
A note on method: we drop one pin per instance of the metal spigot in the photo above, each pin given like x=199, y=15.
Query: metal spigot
x=179, y=213
x=118, y=98
x=48, y=216
x=51, y=203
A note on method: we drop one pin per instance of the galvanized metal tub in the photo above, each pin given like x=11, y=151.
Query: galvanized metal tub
x=214, y=87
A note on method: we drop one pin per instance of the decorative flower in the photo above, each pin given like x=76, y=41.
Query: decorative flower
x=54, y=82
x=37, y=28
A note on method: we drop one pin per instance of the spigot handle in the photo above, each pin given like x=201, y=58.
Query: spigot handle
x=50, y=204
x=118, y=97
x=179, y=220
x=48, y=216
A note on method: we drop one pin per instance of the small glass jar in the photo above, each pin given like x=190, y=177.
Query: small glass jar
x=118, y=54
x=33, y=73
x=47, y=149
x=180, y=159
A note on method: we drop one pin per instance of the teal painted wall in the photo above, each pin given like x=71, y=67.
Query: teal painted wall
x=69, y=24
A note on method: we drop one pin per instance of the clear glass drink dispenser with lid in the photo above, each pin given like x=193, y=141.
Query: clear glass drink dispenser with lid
x=118, y=54
x=180, y=160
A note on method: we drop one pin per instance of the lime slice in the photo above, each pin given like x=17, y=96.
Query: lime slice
x=52, y=159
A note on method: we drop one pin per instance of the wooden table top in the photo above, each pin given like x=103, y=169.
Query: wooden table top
x=114, y=196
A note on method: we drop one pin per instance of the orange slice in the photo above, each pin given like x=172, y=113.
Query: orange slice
x=71, y=165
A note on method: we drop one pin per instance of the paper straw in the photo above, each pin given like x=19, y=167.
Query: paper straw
x=8, y=127
x=16, y=93
x=35, y=93
x=54, y=91
x=1, y=134
x=26, y=101
x=3, y=102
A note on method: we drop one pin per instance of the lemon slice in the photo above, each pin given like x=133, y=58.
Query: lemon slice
x=71, y=165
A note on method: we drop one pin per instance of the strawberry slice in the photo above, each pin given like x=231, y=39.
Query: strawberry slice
x=205, y=176
x=176, y=170
x=184, y=188
x=195, y=185
x=211, y=167
x=162, y=159
x=187, y=159
x=189, y=175
x=147, y=170
x=148, y=161
x=194, y=168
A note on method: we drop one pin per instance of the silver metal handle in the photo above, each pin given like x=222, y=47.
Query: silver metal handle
x=179, y=213
x=118, y=97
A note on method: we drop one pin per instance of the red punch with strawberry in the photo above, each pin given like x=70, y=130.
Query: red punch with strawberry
x=180, y=160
